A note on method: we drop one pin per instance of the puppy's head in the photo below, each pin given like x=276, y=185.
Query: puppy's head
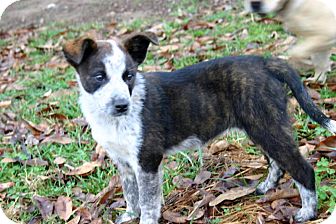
x=106, y=70
x=264, y=6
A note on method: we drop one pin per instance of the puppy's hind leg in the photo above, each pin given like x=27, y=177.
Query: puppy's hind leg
x=273, y=177
x=277, y=142
x=130, y=191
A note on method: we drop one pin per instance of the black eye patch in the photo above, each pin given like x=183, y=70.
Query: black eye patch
x=128, y=76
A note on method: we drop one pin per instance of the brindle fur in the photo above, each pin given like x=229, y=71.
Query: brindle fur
x=200, y=102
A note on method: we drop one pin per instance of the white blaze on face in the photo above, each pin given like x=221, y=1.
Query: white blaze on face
x=116, y=88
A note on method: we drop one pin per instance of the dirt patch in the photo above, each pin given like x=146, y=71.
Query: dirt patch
x=40, y=12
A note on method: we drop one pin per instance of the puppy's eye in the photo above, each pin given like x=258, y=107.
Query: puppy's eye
x=128, y=76
x=100, y=76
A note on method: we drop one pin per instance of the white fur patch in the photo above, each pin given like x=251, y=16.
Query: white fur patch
x=120, y=136
x=274, y=174
x=191, y=142
x=332, y=126
x=100, y=100
x=309, y=204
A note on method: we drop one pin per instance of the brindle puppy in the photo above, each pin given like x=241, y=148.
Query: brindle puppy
x=139, y=117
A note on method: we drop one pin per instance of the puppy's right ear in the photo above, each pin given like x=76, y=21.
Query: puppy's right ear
x=76, y=51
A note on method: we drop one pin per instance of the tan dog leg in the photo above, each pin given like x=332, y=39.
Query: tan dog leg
x=322, y=64
x=307, y=49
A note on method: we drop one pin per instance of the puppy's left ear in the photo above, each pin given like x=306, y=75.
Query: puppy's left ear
x=137, y=44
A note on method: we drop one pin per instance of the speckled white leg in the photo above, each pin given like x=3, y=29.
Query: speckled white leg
x=150, y=193
x=273, y=177
x=131, y=193
x=309, y=204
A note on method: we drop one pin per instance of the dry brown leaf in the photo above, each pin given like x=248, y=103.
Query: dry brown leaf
x=64, y=140
x=253, y=177
x=4, y=186
x=327, y=145
x=36, y=129
x=197, y=205
x=306, y=149
x=85, y=215
x=74, y=220
x=63, y=207
x=279, y=194
x=199, y=213
x=35, y=162
x=277, y=203
x=202, y=177
x=99, y=154
x=232, y=194
x=47, y=94
x=174, y=217
x=44, y=205
x=182, y=182
x=314, y=94
x=9, y=160
x=59, y=160
x=260, y=219
x=5, y=104
x=84, y=169
x=230, y=172
x=169, y=48
x=97, y=221
x=218, y=147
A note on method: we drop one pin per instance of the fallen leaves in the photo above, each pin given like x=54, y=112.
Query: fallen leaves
x=84, y=169
x=5, y=104
x=232, y=194
x=63, y=207
x=327, y=145
x=174, y=217
x=64, y=140
x=279, y=194
x=45, y=206
x=202, y=177
x=4, y=186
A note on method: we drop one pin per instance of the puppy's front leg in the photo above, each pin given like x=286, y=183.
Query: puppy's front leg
x=130, y=191
x=150, y=192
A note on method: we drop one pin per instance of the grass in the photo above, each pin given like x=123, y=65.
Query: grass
x=30, y=181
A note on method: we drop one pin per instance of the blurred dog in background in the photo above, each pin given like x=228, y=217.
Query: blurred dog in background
x=313, y=22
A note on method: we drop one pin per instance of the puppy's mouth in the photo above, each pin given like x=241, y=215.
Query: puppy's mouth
x=119, y=114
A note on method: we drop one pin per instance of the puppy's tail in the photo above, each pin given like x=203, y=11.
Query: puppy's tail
x=286, y=74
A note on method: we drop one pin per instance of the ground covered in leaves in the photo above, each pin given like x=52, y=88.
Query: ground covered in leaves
x=51, y=171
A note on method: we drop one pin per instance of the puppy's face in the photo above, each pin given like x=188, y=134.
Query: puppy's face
x=106, y=70
x=264, y=6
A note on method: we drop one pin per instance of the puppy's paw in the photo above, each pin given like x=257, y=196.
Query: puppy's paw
x=126, y=217
x=305, y=214
x=264, y=186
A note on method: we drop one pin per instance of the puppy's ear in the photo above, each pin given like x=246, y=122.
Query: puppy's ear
x=137, y=44
x=76, y=51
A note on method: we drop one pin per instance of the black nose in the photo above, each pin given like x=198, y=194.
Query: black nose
x=121, y=105
x=256, y=6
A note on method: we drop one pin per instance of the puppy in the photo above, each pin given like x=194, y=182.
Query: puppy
x=313, y=21
x=139, y=117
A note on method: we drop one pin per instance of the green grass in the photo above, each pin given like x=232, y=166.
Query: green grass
x=29, y=180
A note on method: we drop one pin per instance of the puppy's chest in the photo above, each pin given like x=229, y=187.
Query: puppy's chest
x=121, y=139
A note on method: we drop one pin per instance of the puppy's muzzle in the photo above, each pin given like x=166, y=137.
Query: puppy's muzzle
x=121, y=107
x=256, y=6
